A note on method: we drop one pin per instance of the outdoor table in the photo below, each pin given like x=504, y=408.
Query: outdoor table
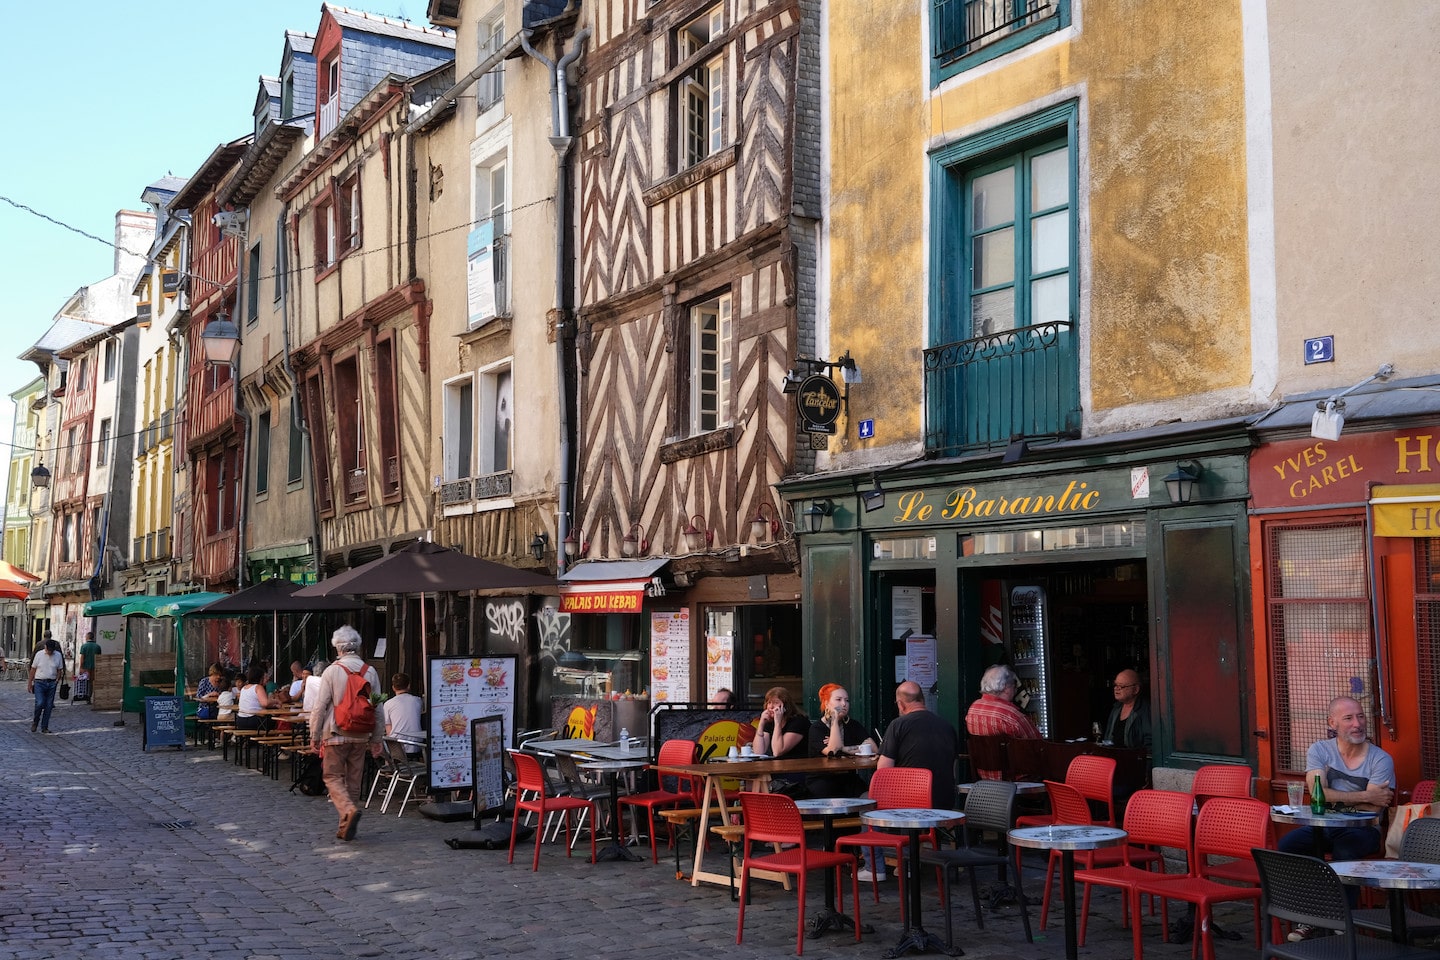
x=758, y=771
x=1394, y=876
x=828, y=809
x=1301, y=816
x=638, y=746
x=615, y=849
x=1067, y=839
x=1022, y=787
x=914, y=822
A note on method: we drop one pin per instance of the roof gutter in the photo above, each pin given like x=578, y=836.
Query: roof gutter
x=449, y=97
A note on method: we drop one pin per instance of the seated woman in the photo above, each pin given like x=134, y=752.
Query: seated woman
x=253, y=698
x=781, y=734
x=207, y=692
x=829, y=737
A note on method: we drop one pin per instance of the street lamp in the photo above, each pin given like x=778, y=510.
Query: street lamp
x=221, y=340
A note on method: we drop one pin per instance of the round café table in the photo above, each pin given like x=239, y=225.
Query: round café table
x=828, y=809
x=1067, y=838
x=914, y=822
x=1394, y=876
x=1329, y=820
x=615, y=849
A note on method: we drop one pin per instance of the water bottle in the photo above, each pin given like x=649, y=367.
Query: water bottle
x=624, y=740
x=1317, y=797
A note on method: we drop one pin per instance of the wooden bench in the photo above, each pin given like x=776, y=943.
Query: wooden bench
x=682, y=821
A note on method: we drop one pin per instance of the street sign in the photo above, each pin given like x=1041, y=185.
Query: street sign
x=1319, y=350
x=867, y=429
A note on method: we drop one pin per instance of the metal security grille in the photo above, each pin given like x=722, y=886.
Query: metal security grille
x=1427, y=642
x=1318, y=607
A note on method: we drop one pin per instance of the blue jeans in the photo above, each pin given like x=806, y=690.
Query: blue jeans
x=1344, y=843
x=44, y=702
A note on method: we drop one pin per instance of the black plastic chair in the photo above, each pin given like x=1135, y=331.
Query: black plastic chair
x=1421, y=844
x=1305, y=890
x=989, y=806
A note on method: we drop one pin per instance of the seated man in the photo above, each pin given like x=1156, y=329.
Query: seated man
x=995, y=712
x=1353, y=772
x=1129, y=722
x=402, y=711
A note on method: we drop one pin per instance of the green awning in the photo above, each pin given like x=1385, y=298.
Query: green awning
x=176, y=606
x=113, y=605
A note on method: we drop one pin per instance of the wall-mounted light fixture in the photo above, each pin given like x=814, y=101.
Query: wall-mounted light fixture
x=40, y=477
x=575, y=545
x=1180, y=485
x=764, y=526
x=1329, y=417
x=697, y=535
x=221, y=340
x=874, y=498
x=634, y=544
x=538, y=545
x=818, y=511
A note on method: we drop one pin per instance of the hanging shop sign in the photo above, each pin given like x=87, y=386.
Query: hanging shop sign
x=603, y=596
x=818, y=401
x=1407, y=510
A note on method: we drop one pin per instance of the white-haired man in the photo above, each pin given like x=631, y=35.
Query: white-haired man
x=344, y=749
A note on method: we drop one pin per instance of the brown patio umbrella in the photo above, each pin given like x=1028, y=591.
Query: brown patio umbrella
x=274, y=596
x=424, y=567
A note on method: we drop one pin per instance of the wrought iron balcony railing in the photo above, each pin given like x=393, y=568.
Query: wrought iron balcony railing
x=961, y=27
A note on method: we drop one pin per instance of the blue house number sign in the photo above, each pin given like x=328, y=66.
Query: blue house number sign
x=1319, y=350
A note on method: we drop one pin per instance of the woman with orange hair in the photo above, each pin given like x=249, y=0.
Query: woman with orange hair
x=834, y=734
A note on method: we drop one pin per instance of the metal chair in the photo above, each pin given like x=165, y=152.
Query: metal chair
x=405, y=769
x=1421, y=844
x=990, y=806
x=774, y=818
x=1228, y=827
x=1300, y=889
x=530, y=779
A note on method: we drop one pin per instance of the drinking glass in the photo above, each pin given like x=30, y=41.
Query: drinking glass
x=1295, y=792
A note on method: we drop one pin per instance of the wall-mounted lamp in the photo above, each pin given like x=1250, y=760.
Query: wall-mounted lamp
x=1329, y=417
x=575, y=545
x=634, y=544
x=697, y=535
x=817, y=512
x=793, y=379
x=764, y=526
x=1180, y=485
x=40, y=477
x=539, y=545
x=874, y=498
x=221, y=340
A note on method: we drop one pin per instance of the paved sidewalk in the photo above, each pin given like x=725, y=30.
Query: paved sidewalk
x=109, y=852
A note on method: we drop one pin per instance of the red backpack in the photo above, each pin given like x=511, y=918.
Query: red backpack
x=354, y=713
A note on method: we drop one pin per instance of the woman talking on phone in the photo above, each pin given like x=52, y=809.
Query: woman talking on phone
x=781, y=734
x=833, y=735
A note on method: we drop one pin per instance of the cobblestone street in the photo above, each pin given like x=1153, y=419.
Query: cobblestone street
x=110, y=852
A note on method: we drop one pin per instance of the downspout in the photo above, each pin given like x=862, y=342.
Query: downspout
x=297, y=408
x=562, y=142
x=241, y=514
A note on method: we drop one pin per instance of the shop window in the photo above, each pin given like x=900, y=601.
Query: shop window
x=1427, y=639
x=1318, y=608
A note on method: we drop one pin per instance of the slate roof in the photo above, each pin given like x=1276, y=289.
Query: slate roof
x=63, y=332
x=300, y=42
x=271, y=86
x=386, y=27
x=537, y=12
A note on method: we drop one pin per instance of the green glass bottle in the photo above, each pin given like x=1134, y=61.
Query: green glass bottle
x=1317, y=797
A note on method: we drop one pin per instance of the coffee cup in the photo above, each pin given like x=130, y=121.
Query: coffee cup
x=733, y=753
x=747, y=751
x=867, y=749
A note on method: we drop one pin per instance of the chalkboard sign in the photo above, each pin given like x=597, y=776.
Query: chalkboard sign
x=487, y=762
x=164, y=723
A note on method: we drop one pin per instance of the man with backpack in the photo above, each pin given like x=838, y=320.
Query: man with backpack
x=343, y=726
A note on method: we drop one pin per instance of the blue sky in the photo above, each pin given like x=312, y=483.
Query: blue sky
x=108, y=97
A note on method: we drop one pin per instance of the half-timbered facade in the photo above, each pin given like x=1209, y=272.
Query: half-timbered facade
x=695, y=291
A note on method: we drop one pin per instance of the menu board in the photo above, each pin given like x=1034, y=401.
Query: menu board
x=670, y=656
x=463, y=689
x=487, y=737
x=719, y=664
x=164, y=723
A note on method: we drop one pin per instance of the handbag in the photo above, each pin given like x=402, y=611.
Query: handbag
x=1400, y=818
x=64, y=690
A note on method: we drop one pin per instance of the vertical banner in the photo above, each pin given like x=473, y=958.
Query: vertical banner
x=719, y=664
x=670, y=656
x=479, y=274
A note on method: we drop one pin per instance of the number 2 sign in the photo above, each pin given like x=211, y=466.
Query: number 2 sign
x=1319, y=350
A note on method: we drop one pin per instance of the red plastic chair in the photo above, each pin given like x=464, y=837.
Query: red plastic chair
x=1228, y=827
x=1070, y=808
x=530, y=784
x=1153, y=819
x=774, y=818
x=1229, y=780
x=1423, y=792
x=893, y=788
x=1094, y=777
x=672, y=753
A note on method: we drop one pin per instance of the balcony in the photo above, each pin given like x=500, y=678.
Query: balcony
x=984, y=392
x=162, y=544
x=329, y=114
x=961, y=27
x=355, y=485
x=456, y=491
x=137, y=550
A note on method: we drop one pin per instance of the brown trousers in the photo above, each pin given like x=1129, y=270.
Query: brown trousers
x=343, y=770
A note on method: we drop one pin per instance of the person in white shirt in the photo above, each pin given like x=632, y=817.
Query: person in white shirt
x=402, y=711
x=312, y=687
x=47, y=671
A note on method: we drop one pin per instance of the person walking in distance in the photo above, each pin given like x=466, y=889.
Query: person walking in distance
x=47, y=670
x=343, y=730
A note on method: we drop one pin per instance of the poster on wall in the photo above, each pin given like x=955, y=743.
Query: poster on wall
x=905, y=610
x=463, y=689
x=922, y=666
x=719, y=664
x=669, y=656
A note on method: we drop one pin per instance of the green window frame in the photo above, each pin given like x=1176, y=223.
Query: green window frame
x=1001, y=25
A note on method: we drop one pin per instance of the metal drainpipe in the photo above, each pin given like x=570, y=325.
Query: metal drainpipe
x=561, y=141
x=247, y=438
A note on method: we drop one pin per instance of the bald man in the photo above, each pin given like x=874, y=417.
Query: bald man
x=919, y=738
x=1129, y=721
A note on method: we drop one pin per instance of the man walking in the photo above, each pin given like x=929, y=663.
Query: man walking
x=344, y=747
x=47, y=670
x=89, y=651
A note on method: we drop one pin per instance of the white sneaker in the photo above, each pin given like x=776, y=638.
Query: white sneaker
x=866, y=875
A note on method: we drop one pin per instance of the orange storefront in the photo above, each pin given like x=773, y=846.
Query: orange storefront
x=1346, y=580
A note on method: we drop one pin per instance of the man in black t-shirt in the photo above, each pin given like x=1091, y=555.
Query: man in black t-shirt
x=919, y=738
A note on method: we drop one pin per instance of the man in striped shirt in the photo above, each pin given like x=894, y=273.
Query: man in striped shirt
x=995, y=712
